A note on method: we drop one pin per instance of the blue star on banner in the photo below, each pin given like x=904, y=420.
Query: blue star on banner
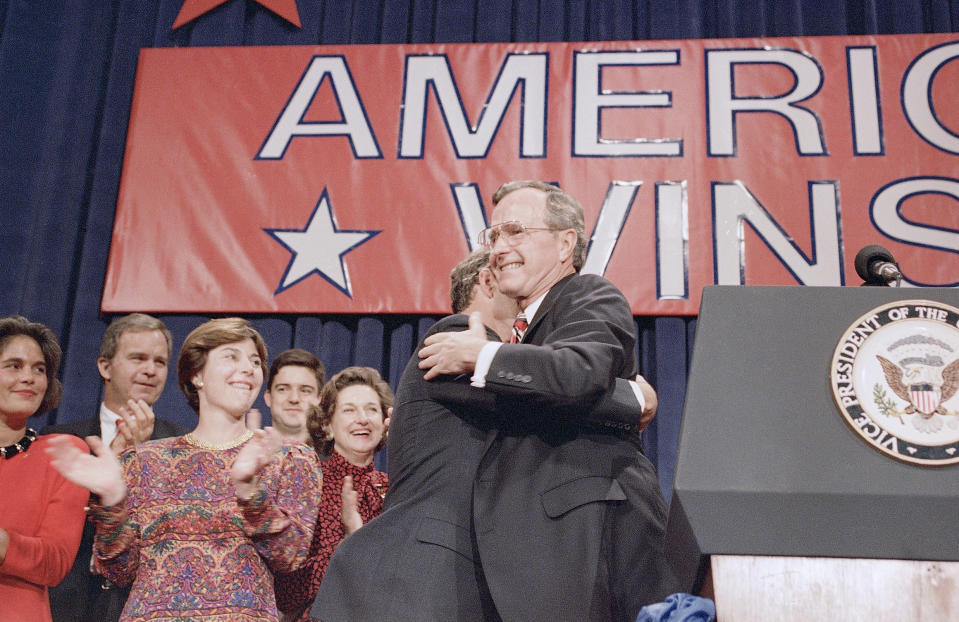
x=319, y=248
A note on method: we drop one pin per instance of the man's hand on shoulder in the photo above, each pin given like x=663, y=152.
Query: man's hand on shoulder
x=453, y=353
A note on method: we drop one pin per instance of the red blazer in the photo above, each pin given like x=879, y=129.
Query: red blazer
x=44, y=514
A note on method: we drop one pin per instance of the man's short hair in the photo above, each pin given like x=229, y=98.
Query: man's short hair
x=464, y=277
x=301, y=358
x=137, y=323
x=562, y=212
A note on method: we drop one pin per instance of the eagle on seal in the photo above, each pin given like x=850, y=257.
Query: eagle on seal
x=946, y=389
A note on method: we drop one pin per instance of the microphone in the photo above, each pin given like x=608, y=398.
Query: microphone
x=876, y=266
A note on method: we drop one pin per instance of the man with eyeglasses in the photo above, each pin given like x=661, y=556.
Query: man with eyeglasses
x=419, y=551
x=567, y=516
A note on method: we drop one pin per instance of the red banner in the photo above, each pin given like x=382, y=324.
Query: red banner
x=351, y=179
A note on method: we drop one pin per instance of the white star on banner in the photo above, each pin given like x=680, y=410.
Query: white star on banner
x=319, y=248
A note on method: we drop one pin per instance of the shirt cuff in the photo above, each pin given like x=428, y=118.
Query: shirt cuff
x=638, y=393
x=483, y=363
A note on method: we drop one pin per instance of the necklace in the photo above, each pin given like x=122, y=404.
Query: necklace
x=214, y=446
x=20, y=446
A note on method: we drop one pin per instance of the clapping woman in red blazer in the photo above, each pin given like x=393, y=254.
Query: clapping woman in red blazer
x=41, y=513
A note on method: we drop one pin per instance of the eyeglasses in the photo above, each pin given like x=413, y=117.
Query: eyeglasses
x=512, y=232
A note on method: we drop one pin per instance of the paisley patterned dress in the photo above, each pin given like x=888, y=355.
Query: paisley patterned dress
x=297, y=590
x=191, y=550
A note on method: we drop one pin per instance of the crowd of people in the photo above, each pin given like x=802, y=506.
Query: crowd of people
x=517, y=488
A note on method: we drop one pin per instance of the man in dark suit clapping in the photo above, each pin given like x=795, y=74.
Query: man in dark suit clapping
x=133, y=362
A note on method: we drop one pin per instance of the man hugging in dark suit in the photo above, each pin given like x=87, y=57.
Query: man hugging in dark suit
x=420, y=559
x=403, y=565
x=568, y=519
x=133, y=362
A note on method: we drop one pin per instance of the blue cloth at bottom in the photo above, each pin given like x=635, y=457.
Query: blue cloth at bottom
x=679, y=607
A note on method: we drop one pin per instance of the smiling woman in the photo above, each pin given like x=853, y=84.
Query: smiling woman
x=41, y=513
x=348, y=428
x=196, y=523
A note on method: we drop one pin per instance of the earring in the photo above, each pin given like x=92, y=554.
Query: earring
x=198, y=384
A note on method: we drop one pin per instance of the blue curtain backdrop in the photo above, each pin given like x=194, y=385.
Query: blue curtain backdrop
x=66, y=81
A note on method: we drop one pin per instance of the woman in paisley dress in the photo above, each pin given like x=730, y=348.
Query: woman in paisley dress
x=197, y=524
x=347, y=428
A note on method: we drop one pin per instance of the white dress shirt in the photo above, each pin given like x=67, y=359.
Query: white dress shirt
x=108, y=424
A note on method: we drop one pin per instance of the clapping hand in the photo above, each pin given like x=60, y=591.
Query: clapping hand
x=135, y=425
x=351, y=507
x=99, y=473
x=258, y=452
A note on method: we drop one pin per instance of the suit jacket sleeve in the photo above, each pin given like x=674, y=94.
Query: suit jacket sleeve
x=582, y=339
x=616, y=405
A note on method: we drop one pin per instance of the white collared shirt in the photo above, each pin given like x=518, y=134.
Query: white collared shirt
x=485, y=357
x=108, y=424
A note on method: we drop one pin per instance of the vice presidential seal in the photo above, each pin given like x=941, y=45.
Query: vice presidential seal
x=895, y=376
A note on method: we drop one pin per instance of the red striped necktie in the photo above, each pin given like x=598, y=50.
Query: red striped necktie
x=519, y=328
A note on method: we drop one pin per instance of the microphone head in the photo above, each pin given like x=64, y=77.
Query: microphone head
x=867, y=256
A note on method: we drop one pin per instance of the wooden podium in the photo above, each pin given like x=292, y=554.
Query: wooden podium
x=752, y=588
x=799, y=517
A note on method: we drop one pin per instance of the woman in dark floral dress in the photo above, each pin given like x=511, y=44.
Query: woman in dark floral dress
x=348, y=428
